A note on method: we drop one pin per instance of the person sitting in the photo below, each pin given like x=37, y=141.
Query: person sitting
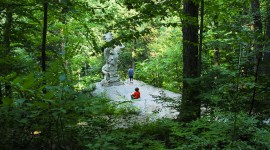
x=136, y=94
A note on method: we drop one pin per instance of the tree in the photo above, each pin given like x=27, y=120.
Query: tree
x=190, y=104
x=257, y=27
x=44, y=35
x=266, y=55
x=201, y=35
x=6, y=45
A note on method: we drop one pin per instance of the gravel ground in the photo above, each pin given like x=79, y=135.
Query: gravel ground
x=147, y=106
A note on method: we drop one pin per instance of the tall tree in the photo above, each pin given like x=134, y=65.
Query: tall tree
x=6, y=45
x=1, y=93
x=266, y=57
x=44, y=35
x=257, y=27
x=201, y=34
x=216, y=48
x=190, y=104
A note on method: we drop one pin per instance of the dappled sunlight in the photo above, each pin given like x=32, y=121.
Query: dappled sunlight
x=147, y=105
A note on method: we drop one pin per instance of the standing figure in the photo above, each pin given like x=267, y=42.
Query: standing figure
x=109, y=70
x=130, y=74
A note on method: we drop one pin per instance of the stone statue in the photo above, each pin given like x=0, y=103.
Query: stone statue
x=109, y=70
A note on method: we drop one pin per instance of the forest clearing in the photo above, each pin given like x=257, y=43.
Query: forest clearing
x=135, y=74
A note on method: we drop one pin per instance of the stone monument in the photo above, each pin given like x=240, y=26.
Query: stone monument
x=109, y=70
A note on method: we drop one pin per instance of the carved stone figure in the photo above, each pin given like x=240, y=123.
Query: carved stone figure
x=109, y=70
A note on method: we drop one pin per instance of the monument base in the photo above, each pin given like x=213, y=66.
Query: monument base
x=110, y=83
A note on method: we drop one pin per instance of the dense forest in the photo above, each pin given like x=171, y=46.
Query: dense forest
x=215, y=53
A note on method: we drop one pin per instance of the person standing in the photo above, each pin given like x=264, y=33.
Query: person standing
x=130, y=74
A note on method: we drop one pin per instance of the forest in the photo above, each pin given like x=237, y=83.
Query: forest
x=215, y=53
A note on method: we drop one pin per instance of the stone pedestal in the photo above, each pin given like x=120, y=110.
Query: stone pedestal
x=111, y=79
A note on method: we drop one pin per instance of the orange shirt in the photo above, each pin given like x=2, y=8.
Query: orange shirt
x=136, y=94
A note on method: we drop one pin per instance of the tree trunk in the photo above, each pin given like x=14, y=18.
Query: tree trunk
x=190, y=104
x=7, y=34
x=216, y=49
x=201, y=37
x=257, y=26
x=266, y=57
x=1, y=94
x=134, y=53
x=216, y=56
x=44, y=35
x=63, y=43
x=134, y=49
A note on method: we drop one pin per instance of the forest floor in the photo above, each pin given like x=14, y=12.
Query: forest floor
x=148, y=107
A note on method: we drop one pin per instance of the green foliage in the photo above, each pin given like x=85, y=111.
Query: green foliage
x=222, y=131
x=55, y=109
x=162, y=67
x=58, y=118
